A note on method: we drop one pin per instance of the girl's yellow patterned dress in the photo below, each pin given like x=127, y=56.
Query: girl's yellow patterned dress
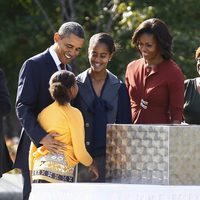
x=68, y=122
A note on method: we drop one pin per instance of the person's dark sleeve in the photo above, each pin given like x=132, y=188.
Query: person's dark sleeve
x=124, y=107
x=5, y=107
x=5, y=103
x=27, y=100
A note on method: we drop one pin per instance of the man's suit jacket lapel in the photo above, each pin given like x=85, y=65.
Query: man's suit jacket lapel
x=49, y=61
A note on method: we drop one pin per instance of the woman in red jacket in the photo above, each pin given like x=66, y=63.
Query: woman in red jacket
x=155, y=82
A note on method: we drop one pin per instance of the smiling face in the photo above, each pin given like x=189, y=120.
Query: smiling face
x=148, y=48
x=99, y=56
x=67, y=48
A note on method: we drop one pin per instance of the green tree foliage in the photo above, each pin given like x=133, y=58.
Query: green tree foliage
x=27, y=28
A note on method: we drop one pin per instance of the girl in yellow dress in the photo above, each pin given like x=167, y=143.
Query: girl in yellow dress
x=60, y=117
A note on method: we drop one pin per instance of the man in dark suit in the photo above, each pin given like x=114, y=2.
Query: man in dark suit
x=33, y=94
x=5, y=107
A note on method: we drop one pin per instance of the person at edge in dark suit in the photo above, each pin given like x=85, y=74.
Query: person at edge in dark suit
x=5, y=107
x=33, y=94
x=103, y=99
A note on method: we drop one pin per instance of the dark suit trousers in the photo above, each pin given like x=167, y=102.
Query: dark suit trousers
x=26, y=184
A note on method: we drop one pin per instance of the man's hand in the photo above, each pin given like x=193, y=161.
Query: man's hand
x=53, y=145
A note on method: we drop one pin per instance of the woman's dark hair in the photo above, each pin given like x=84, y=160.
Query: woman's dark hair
x=104, y=38
x=159, y=30
x=60, y=82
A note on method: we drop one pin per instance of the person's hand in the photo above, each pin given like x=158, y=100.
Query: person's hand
x=176, y=122
x=30, y=175
x=93, y=168
x=53, y=145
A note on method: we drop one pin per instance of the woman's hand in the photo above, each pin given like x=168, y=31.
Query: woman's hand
x=176, y=122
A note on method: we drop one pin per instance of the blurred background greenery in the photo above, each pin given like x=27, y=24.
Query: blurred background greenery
x=27, y=28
